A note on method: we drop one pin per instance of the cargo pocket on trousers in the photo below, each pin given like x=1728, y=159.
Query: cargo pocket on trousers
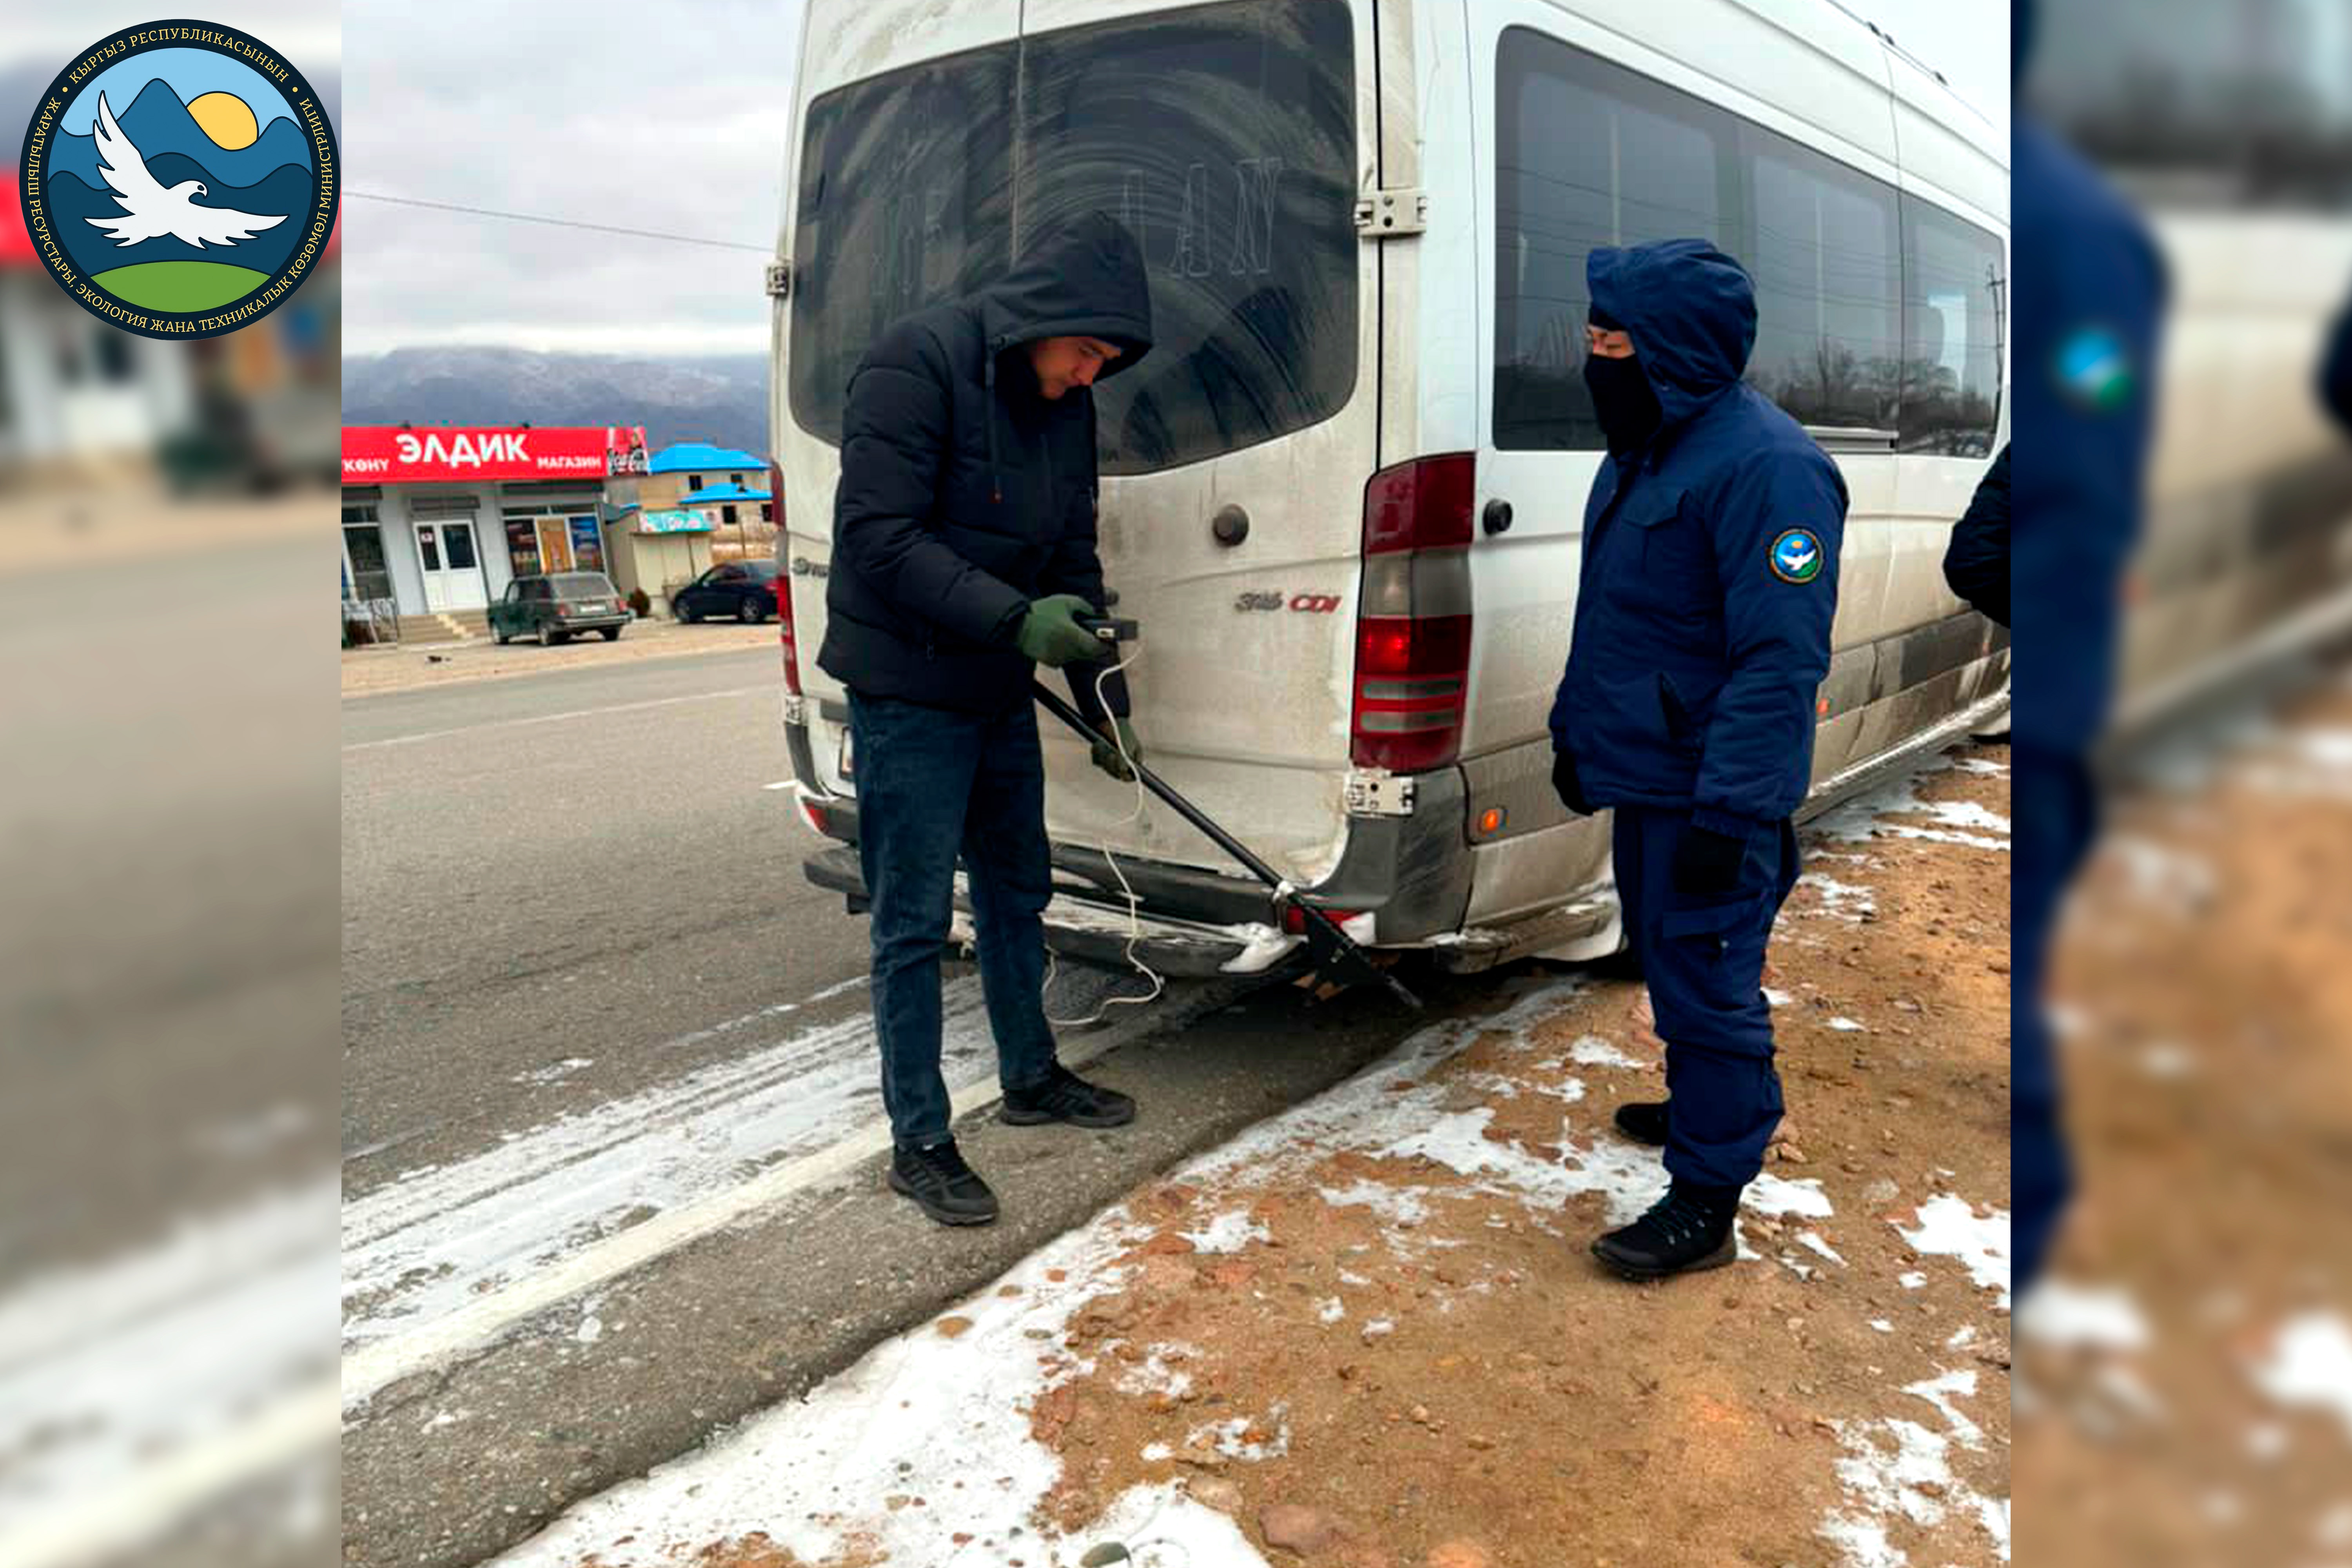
x=1707, y=930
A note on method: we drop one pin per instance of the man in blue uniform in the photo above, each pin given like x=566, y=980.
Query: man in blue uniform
x=1711, y=542
x=2089, y=303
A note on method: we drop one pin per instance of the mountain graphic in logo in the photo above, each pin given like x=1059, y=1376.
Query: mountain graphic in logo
x=179, y=179
x=156, y=190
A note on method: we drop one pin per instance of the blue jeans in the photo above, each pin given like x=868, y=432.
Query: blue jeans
x=1703, y=963
x=933, y=782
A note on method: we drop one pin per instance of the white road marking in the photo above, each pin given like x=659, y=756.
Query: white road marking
x=556, y=717
x=133, y=1389
x=443, y=1261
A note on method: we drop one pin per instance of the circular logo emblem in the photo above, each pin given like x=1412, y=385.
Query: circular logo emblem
x=1796, y=556
x=179, y=179
x=2095, y=369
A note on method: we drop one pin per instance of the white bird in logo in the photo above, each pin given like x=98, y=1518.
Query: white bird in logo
x=1797, y=556
x=154, y=211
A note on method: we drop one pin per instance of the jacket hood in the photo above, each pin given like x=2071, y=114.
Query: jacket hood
x=1087, y=280
x=1691, y=310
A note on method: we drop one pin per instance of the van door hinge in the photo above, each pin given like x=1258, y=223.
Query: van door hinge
x=780, y=279
x=1391, y=214
x=1379, y=794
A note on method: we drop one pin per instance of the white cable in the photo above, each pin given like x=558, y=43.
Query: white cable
x=1134, y=904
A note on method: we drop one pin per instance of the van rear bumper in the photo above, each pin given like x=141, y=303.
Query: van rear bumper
x=1089, y=931
x=1409, y=874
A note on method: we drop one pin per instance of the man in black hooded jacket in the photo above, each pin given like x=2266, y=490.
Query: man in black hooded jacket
x=964, y=552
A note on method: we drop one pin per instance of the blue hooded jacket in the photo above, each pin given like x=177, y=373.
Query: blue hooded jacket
x=1710, y=567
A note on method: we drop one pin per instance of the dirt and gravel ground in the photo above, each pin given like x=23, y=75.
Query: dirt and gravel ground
x=402, y=668
x=2186, y=1383
x=1368, y=1334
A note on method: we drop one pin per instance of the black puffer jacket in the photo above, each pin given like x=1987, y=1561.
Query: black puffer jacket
x=1976, y=562
x=964, y=492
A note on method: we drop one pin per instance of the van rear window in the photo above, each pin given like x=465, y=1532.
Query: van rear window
x=1223, y=136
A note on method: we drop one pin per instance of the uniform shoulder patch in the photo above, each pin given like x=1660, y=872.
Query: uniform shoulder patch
x=2094, y=369
x=1796, y=555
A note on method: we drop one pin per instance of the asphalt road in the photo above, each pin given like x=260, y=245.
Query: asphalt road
x=612, y=1144
x=583, y=866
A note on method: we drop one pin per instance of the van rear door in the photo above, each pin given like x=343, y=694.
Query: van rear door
x=1234, y=456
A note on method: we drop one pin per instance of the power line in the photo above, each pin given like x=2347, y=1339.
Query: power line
x=561, y=222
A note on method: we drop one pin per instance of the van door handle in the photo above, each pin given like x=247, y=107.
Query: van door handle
x=1497, y=518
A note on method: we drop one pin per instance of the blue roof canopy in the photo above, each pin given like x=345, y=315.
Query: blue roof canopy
x=693, y=457
x=711, y=493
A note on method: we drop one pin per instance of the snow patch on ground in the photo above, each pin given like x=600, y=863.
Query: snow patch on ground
x=2310, y=1365
x=1896, y=1468
x=1892, y=809
x=1841, y=900
x=2060, y=1315
x=1948, y=1227
x=1398, y=1205
x=1812, y=1239
x=948, y=1410
x=1228, y=1232
x=1774, y=1196
x=1849, y=1026
x=1592, y=1051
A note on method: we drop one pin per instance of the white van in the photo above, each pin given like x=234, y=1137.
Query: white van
x=1343, y=496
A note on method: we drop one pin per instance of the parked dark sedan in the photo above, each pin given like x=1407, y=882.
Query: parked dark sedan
x=741, y=590
x=552, y=608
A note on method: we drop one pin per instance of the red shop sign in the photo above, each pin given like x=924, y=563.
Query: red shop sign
x=381, y=454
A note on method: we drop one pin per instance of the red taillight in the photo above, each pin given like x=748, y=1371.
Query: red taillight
x=1294, y=922
x=1413, y=620
x=816, y=816
x=1420, y=505
x=785, y=585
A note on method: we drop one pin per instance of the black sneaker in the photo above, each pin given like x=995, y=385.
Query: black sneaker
x=939, y=1181
x=1644, y=1122
x=1689, y=1229
x=1064, y=1096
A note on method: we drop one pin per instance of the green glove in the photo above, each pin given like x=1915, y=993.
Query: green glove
x=1106, y=755
x=1050, y=634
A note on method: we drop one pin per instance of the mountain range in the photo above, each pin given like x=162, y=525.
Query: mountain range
x=721, y=399
x=157, y=122
x=286, y=190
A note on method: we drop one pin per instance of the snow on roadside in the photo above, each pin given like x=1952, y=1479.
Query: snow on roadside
x=943, y=1413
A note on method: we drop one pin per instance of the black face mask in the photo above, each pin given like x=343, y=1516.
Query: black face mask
x=1622, y=402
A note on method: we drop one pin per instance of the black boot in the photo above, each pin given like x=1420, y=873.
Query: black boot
x=1063, y=1096
x=1688, y=1229
x=946, y=1188
x=1643, y=1122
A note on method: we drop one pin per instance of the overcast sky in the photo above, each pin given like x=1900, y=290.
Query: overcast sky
x=670, y=117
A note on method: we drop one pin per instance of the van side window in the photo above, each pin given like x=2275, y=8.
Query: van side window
x=1954, y=316
x=1590, y=153
x=1827, y=259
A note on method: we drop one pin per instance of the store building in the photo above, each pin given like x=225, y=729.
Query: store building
x=438, y=519
x=729, y=488
x=659, y=551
